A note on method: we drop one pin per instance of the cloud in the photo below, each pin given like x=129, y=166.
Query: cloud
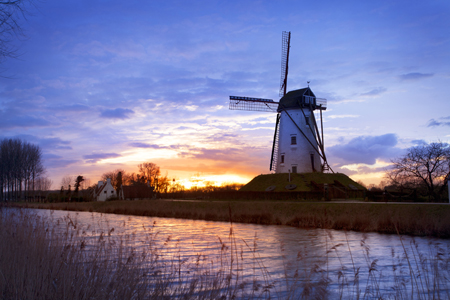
x=418, y=142
x=53, y=161
x=342, y=116
x=228, y=154
x=144, y=145
x=73, y=108
x=54, y=143
x=366, y=149
x=118, y=113
x=10, y=120
x=434, y=123
x=375, y=92
x=360, y=170
x=45, y=143
x=153, y=146
x=93, y=158
x=415, y=76
x=223, y=137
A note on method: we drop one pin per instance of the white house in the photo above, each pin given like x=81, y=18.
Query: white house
x=104, y=190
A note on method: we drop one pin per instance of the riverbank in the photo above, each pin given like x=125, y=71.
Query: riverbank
x=406, y=219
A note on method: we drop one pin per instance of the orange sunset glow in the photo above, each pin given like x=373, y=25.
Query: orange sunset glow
x=104, y=89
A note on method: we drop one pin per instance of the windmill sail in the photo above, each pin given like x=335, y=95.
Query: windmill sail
x=274, y=158
x=252, y=104
x=285, y=45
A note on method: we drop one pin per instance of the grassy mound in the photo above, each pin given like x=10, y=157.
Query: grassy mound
x=303, y=181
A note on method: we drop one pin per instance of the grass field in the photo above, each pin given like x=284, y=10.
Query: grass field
x=409, y=219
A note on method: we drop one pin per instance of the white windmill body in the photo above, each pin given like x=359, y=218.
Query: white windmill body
x=296, y=152
x=298, y=145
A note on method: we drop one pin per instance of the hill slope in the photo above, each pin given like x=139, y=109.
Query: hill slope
x=303, y=182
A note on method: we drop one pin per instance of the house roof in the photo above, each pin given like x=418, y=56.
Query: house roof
x=137, y=191
x=294, y=98
x=98, y=189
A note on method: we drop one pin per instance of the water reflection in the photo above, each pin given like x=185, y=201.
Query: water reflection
x=280, y=255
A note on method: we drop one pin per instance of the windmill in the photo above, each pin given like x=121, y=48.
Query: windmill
x=298, y=144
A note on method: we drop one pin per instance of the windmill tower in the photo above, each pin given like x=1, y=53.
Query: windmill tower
x=298, y=144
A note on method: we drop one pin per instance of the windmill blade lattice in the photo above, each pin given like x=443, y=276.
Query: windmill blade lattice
x=285, y=46
x=252, y=104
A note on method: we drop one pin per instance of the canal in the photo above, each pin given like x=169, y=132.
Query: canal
x=279, y=259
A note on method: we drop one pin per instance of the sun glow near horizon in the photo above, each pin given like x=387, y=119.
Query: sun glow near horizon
x=201, y=181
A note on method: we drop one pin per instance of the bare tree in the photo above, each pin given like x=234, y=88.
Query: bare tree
x=163, y=184
x=86, y=183
x=43, y=184
x=20, y=166
x=12, y=13
x=427, y=165
x=150, y=172
x=176, y=186
x=118, y=177
x=67, y=181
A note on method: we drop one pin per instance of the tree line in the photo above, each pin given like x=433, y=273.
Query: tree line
x=148, y=174
x=21, y=170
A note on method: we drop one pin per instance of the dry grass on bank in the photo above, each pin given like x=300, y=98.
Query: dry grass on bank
x=409, y=219
x=40, y=261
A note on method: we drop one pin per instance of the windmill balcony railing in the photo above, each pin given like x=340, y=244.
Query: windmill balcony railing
x=321, y=102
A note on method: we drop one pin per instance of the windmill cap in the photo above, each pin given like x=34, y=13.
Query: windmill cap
x=294, y=98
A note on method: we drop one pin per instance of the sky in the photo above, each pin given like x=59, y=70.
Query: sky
x=104, y=85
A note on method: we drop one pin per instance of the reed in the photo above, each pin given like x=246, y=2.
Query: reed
x=408, y=219
x=59, y=259
x=44, y=258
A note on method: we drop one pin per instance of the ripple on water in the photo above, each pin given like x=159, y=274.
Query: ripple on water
x=279, y=252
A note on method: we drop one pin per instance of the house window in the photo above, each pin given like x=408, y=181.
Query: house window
x=309, y=100
x=104, y=192
x=293, y=140
x=282, y=159
x=294, y=169
x=112, y=192
x=307, y=120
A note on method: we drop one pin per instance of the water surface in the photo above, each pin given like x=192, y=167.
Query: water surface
x=276, y=255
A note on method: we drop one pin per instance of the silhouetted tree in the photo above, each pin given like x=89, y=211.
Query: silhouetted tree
x=67, y=181
x=12, y=13
x=163, y=184
x=427, y=165
x=118, y=177
x=20, y=167
x=78, y=182
x=150, y=172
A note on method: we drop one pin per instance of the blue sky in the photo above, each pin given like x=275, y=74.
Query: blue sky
x=101, y=85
